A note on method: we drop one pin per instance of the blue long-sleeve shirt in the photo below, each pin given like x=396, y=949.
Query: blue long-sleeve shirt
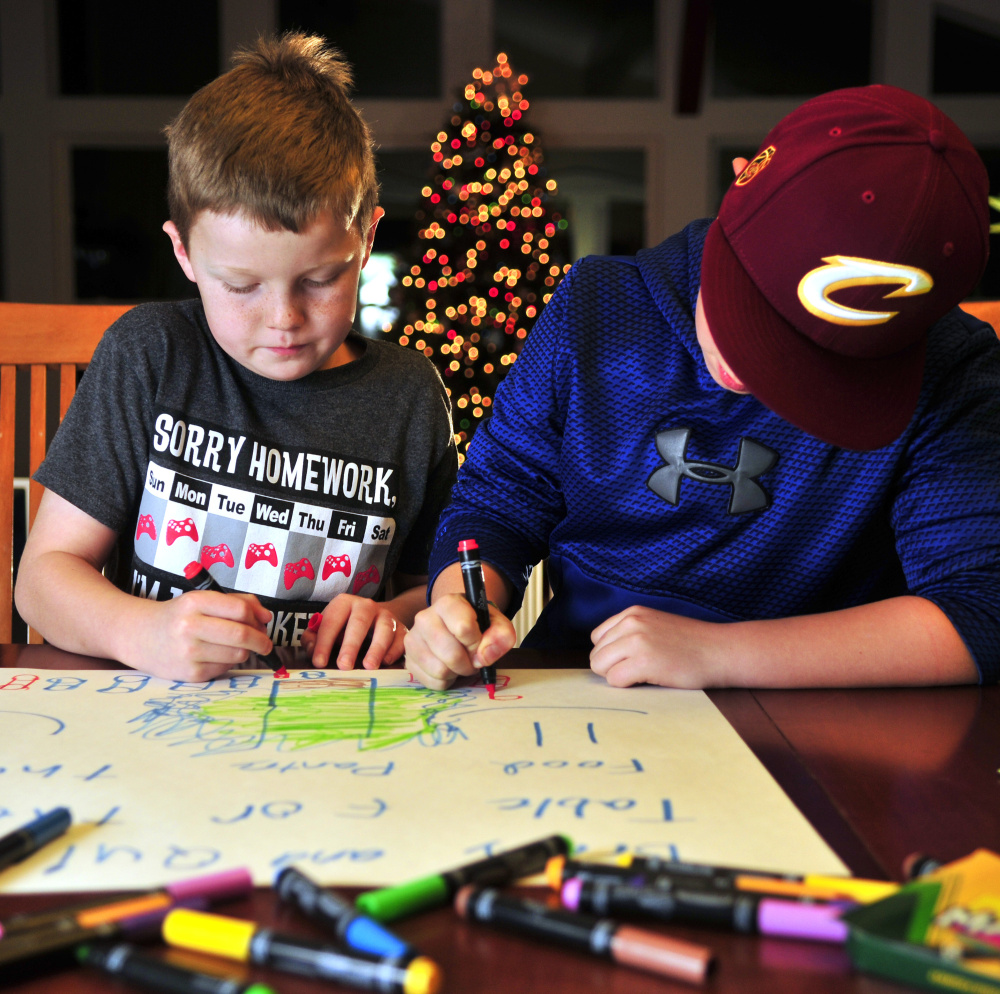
x=612, y=451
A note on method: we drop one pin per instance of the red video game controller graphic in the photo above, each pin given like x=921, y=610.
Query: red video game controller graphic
x=370, y=575
x=145, y=527
x=295, y=572
x=255, y=553
x=181, y=529
x=221, y=553
x=337, y=564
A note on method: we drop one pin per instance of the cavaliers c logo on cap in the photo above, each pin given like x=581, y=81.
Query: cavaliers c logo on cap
x=759, y=162
x=843, y=271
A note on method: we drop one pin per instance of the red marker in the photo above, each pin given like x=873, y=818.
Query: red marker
x=314, y=622
x=475, y=593
x=201, y=579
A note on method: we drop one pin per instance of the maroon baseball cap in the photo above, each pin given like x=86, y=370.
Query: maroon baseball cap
x=862, y=221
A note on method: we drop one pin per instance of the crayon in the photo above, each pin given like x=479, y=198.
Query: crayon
x=210, y=887
x=740, y=911
x=623, y=944
x=234, y=938
x=201, y=579
x=390, y=903
x=126, y=961
x=475, y=593
x=338, y=916
x=21, y=843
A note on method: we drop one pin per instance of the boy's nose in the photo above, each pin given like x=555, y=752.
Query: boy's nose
x=284, y=312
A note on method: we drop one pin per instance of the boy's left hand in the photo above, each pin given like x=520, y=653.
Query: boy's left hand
x=643, y=645
x=352, y=619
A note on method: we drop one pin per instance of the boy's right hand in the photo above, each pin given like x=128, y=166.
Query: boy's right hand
x=445, y=642
x=200, y=635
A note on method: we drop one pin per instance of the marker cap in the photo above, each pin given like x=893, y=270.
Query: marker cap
x=820, y=922
x=423, y=976
x=225, y=886
x=395, y=902
x=207, y=933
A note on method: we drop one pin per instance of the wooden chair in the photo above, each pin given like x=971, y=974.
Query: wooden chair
x=37, y=337
x=985, y=310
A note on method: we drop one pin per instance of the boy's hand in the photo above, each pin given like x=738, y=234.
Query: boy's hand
x=445, y=641
x=200, y=635
x=353, y=619
x=642, y=645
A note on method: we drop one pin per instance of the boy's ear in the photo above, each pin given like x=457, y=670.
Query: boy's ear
x=180, y=252
x=377, y=216
x=739, y=164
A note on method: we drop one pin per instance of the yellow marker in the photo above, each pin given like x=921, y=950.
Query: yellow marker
x=246, y=941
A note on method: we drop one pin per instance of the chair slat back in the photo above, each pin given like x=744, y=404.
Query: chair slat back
x=36, y=337
x=985, y=310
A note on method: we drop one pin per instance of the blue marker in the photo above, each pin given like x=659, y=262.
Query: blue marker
x=25, y=841
x=339, y=916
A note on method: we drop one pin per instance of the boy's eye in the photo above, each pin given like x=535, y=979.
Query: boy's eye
x=239, y=289
x=320, y=283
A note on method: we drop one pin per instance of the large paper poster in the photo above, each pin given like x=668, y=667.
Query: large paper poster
x=366, y=778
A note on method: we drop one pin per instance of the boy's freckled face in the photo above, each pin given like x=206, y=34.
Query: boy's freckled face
x=280, y=302
x=717, y=366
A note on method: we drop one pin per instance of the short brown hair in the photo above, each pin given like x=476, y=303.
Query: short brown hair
x=276, y=138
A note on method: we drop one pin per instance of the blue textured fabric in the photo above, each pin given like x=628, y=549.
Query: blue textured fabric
x=612, y=451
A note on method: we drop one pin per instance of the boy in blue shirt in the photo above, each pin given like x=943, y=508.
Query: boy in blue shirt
x=767, y=451
x=250, y=432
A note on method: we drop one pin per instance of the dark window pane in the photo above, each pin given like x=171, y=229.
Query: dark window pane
x=765, y=50
x=965, y=59
x=989, y=285
x=603, y=193
x=123, y=48
x=394, y=45
x=401, y=176
x=580, y=48
x=120, y=204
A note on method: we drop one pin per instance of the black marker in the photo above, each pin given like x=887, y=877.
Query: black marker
x=737, y=910
x=201, y=579
x=390, y=903
x=124, y=960
x=475, y=593
x=338, y=916
x=603, y=937
x=22, y=843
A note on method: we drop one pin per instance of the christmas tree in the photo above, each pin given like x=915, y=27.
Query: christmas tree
x=489, y=250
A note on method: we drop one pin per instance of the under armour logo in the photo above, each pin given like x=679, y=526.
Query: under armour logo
x=747, y=495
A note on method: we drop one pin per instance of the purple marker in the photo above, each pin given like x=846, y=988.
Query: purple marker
x=738, y=910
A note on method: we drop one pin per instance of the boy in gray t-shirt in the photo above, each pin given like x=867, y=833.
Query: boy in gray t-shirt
x=249, y=433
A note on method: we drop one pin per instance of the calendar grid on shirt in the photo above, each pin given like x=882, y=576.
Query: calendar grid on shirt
x=288, y=550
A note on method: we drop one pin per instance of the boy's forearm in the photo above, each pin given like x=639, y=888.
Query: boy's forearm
x=449, y=581
x=75, y=607
x=900, y=641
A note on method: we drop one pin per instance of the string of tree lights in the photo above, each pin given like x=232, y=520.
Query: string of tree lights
x=489, y=249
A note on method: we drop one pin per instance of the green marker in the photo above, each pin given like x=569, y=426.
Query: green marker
x=389, y=903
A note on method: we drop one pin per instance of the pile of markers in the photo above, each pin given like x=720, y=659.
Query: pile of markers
x=600, y=903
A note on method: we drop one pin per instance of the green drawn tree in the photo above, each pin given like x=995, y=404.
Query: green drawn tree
x=489, y=247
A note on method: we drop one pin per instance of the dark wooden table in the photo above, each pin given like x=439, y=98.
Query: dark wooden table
x=879, y=773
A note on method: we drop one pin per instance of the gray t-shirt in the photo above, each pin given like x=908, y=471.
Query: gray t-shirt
x=294, y=491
